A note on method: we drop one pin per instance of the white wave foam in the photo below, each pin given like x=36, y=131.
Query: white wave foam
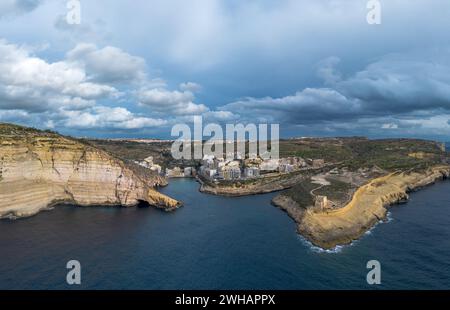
x=317, y=249
x=340, y=248
x=389, y=217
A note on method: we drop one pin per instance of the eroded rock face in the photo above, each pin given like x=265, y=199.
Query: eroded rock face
x=40, y=169
x=368, y=206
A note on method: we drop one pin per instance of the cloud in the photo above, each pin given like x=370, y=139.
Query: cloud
x=30, y=83
x=406, y=86
x=108, y=64
x=220, y=116
x=13, y=7
x=190, y=86
x=101, y=118
x=65, y=94
x=402, y=83
x=389, y=126
x=109, y=118
x=309, y=105
x=326, y=70
x=170, y=102
x=293, y=62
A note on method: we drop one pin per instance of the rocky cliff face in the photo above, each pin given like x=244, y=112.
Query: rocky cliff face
x=327, y=229
x=368, y=206
x=39, y=169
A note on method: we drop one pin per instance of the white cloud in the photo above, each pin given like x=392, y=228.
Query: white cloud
x=309, y=105
x=30, y=83
x=220, y=116
x=108, y=64
x=108, y=118
x=62, y=95
x=234, y=49
x=190, y=86
x=170, y=102
x=389, y=126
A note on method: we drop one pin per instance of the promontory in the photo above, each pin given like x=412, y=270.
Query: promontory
x=39, y=169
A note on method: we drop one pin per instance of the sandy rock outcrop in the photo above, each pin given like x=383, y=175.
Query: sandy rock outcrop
x=368, y=206
x=256, y=187
x=40, y=169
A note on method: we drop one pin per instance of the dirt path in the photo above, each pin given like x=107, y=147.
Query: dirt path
x=318, y=179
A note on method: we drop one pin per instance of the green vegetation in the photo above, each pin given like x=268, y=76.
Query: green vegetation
x=353, y=152
x=137, y=151
x=394, y=154
x=301, y=193
x=389, y=154
x=337, y=191
x=16, y=130
x=332, y=150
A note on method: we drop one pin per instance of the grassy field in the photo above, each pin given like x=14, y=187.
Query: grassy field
x=301, y=193
x=353, y=152
x=360, y=152
x=337, y=191
x=136, y=151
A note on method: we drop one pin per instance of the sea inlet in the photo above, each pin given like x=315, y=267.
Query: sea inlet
x=222, y=243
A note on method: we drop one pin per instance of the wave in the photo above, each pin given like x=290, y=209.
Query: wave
x=317, y=249
x=340, y=248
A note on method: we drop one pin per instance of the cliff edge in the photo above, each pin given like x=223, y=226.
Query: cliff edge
x=39, y=169
x=369, y=204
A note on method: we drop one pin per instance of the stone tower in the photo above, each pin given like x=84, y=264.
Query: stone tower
x=321, y=203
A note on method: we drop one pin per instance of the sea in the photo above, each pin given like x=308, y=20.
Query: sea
x=224, y=243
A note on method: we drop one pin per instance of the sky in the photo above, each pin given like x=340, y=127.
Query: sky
x=317, y=68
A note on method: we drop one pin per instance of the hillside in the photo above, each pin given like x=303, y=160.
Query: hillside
x=41, y=168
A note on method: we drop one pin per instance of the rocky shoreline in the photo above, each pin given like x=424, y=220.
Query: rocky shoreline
x=260, y=187
x=39, y=170
x=368, y=206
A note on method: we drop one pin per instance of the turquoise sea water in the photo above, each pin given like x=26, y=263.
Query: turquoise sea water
x=222, y=243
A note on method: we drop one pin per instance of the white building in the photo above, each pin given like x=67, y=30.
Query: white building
x=156, y=168
x=208, y=161
x=270, y=165
x=286, y=168
x=251, y=172
x=176, y=172
x=209, y=173
x=149, y=160
x=187, y=171
x=230, y=173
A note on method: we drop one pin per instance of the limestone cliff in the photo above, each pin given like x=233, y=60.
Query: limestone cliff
x=39, y=169
x=368, y=206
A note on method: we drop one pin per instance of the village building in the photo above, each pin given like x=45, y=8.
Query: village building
x=286, y=168
x=209, y=173
x=156, y=168
x=230, y=173
x=176, y=172
x=270, y=165
x=149, y=160
x=251, y=172
x=189, y=172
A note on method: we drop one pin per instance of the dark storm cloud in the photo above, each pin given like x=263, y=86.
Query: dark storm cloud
x=312, y=66
x=394, y=85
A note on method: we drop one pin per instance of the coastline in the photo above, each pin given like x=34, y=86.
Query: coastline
x=155, y=199
x=257, y=189
x=39, y=170
x=259, y=186
x=369, y=205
